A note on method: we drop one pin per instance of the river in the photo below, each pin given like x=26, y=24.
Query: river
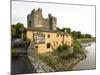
x=90, y=61
x=21, y=65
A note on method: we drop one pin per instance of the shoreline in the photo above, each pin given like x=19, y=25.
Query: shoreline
x=73, y=61
x=86, y=51
x=63, y=65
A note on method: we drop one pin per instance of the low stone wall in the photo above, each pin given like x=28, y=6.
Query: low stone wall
x=37, y=64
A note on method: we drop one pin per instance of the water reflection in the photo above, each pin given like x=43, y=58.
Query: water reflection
x=21, y=65
x=89, y=62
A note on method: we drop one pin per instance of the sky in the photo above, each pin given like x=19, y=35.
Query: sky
x=78, y=18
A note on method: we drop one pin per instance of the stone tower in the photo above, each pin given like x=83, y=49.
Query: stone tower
x=35, y=20
x=52, y=22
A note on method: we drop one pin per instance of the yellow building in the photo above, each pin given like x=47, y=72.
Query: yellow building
x=43, y=32
x=47, y=41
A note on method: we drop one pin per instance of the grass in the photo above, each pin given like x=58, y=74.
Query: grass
x=50, y=59
x=87, y=40
x=56, y=63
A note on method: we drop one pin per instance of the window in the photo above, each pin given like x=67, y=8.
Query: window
x=57, y=35
x=48, y=35
x=66, y=42
x=36, y=46
x=57, y=42
x=61, y=41
x=61, y=35
x=48, y=45
x=66, y=35
x=54, y=43
x=29, y=23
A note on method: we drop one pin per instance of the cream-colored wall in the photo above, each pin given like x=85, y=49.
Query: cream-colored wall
x=59, y=39
x=68, y=40
x=42, y=48
x=29, y=35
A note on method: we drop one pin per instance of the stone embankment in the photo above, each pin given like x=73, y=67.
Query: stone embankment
x=37, y=64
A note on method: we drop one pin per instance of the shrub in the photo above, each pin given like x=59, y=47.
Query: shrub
x=63, y=48
x=77, y=47
x=63, y=52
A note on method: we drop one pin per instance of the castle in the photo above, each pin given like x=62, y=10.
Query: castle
x=43, y=32
x=35, y=20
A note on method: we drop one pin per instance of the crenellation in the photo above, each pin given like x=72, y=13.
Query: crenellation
x=36, y=20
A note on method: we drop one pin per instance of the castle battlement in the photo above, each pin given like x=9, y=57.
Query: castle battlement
x=35, y=20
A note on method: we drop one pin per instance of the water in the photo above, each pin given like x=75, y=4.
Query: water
x=20, y=65
x=89, y=62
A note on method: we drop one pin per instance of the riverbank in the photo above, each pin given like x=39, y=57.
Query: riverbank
x=59, y=64
x=50, y=62
x=61, y=59
x=90, y=61
x=87, y=40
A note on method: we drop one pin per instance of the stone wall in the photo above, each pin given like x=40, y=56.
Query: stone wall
x=37, y=64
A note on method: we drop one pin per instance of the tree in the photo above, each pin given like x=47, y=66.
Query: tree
x=82, y=35
x=18, y=26
x=68, y=30
x=88, y=36
x=74, y=34
x=16, y=30
x=79, y=34
x=13, y=31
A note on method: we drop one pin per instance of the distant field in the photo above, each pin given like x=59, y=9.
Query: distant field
x=86, y=40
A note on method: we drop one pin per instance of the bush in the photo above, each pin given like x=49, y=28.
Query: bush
x=63, y=52
x=77, y=47
x=62, y=48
